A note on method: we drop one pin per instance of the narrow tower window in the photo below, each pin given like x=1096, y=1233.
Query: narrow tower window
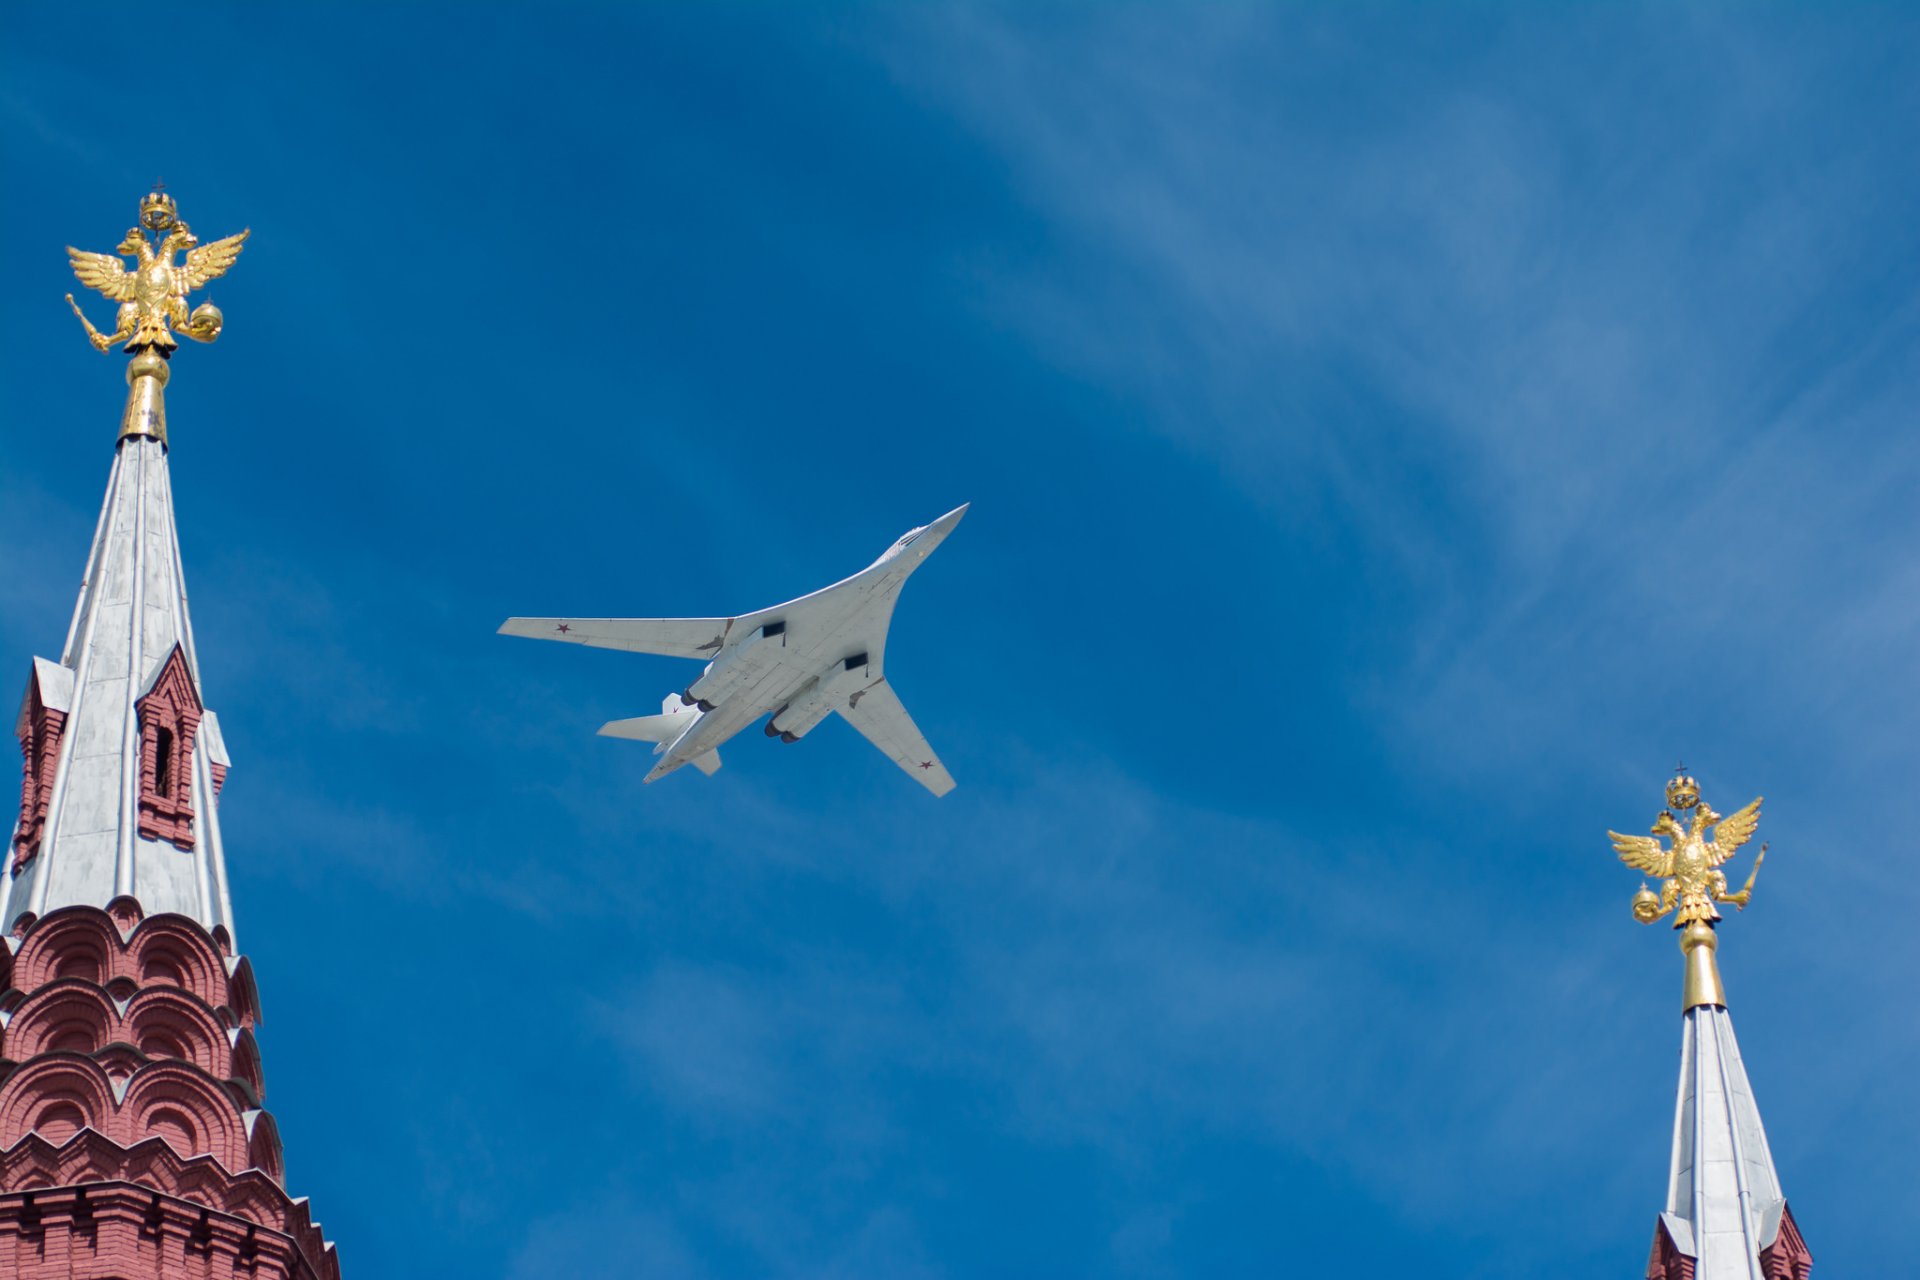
x=163, y=763
x=41, y=727
x=170, y=714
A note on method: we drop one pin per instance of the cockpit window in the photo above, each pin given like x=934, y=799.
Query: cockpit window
x=908, y=540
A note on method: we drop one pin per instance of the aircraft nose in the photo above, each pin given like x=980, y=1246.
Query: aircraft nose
x=934, y=534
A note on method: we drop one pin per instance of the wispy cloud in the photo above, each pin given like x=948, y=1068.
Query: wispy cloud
x=1610, y=404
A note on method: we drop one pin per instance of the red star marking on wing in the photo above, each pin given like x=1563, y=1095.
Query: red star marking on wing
x=926, y=764
x=563, y=628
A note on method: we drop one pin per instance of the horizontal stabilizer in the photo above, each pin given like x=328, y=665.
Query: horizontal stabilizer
x=707, y=762
x=646, y=728
x=668, y=727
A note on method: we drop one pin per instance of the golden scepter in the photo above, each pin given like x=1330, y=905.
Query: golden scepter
x=93, y=334
x=1746, y=890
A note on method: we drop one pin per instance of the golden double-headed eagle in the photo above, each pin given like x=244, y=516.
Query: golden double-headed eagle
x=1691, y=867
x=152, y=295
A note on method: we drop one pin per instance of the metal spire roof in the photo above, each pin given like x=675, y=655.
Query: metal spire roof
x=96, y=833
x=1724, y=1203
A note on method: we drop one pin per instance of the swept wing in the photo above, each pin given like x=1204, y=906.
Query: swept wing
x=669, y=637
x=877, y=713
x=701, y=638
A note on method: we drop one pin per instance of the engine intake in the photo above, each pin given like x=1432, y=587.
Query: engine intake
x=798, y=718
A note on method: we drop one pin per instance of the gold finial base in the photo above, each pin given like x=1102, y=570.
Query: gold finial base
x=146, y=412
x=1698, y=942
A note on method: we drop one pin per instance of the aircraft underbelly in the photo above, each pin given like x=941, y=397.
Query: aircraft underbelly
x=765, y=693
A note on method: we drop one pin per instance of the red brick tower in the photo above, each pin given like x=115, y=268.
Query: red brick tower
x=132, y=1139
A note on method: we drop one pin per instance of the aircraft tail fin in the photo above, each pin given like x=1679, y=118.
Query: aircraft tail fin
x=708, y=764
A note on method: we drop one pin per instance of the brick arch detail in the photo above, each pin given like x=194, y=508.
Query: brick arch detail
x=193, y=1029
x=119, y=1060
x=171, y=1156
x=53, y=1080
x=244, y=1065
x=243, y=995
x=161, y=1088
x=181, y=945
x=89, y=936
x=126, y=912
x=263, y=1146
x=155, y=1092
x=54, y=940
x=39, y=1021
x=148, y=1015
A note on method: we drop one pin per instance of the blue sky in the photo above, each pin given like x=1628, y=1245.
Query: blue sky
x=1396, y=435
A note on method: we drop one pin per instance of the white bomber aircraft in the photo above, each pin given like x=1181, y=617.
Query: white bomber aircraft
x=801, y=660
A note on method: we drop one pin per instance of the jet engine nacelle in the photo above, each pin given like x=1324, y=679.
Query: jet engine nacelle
x=724, y=673
x=798, y=718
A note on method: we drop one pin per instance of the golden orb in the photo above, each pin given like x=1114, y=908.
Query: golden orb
x=1646, y=905
x=206, y=319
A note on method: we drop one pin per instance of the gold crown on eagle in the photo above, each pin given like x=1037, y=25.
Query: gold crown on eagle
x=157, y=211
